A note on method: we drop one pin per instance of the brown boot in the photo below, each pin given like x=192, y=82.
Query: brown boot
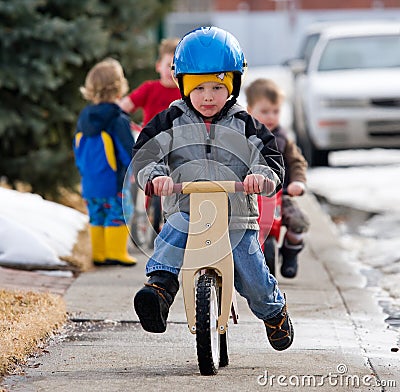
x=280, y=330
x=153, y=301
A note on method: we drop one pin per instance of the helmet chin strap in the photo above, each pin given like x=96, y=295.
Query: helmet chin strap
x=229, y=103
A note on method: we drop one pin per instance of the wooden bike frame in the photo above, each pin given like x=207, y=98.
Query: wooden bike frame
x=208, y=246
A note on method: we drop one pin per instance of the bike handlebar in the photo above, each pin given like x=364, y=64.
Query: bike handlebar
x=201, y=187
x=208, y=186
x=205, y=187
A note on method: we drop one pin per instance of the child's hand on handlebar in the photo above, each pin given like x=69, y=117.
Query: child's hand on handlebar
x=257, y=183
x=163, y=186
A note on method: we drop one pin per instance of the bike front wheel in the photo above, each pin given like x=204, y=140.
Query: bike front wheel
x=207, y=336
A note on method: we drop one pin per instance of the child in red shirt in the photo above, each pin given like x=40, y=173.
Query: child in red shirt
x=154, y=96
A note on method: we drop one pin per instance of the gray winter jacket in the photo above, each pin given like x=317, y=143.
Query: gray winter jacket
x=176, y=143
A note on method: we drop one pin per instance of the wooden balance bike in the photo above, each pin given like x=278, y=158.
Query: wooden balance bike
x=208, y=272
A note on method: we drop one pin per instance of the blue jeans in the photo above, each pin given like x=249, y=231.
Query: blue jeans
x=252, y=278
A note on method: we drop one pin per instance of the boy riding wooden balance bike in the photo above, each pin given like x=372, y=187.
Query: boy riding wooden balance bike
x=206, y=136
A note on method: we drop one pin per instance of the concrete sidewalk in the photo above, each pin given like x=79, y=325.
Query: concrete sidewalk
x=341, y=340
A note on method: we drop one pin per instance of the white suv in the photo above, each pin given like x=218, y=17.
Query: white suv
x=349, y=93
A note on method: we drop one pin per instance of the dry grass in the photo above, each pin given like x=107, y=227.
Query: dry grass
x=81, y=256
x=26, y=320
x=82, y=253
x=70, y=199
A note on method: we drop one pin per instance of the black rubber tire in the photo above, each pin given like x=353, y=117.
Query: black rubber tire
x=145, y=226
x=139, y=229
x=270, y=254
x=207, y=365
x=223, y=341
x=223, y=350
x=313, y=155
x=319, y=157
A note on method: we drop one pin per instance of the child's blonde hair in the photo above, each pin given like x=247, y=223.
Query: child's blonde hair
x=167, y=46
x=264, y=88
x=105, y=82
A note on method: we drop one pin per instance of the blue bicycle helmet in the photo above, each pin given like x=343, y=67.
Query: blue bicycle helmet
x=209, y=50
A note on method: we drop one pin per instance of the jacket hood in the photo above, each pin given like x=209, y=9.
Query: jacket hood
x=95, y=118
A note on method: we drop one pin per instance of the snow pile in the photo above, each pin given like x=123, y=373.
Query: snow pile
x=35, y=232
x=368, y=188
x=376, y=156
x=376, y=189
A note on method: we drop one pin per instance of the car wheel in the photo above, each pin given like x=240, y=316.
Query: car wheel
x=320, y=158
x=313, y=155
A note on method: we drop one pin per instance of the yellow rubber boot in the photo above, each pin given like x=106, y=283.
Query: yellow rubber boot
x=116, y=246
x=98, y=245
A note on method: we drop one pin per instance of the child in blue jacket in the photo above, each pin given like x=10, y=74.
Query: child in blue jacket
x=102, y=145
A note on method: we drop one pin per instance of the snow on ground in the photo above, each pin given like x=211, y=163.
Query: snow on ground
x=374, y=187
x=35, y=232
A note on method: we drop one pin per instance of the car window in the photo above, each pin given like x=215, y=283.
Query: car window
x=361, y=52
x=308, y=46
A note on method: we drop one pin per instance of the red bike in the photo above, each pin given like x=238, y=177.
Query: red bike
x=146, y=220
x=270, y=221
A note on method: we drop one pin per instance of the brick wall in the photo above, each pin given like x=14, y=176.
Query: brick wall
x=346, y=4
x=266, y=5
